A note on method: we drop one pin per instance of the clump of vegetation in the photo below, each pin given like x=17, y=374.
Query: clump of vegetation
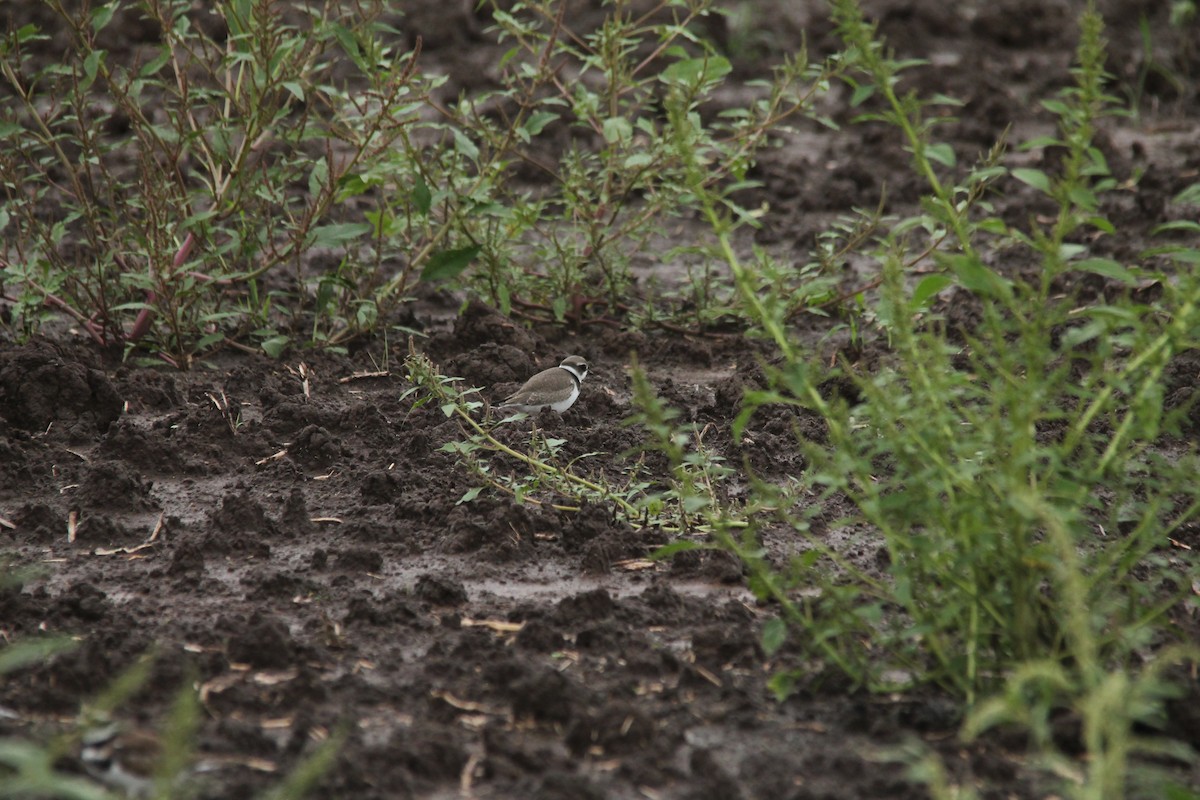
x=160, y=203
x=543, y=471
x=1019, y=475
x=631, y=95
x=302, y=177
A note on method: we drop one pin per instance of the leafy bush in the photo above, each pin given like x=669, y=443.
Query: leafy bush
x=158, y=202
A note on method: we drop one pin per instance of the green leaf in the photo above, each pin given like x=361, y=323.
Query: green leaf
x=1189, y=196
x=135, y=306
x=861, y=94
x=617, y=129
x=1069, y=250
x=986, y=173
x=927, y=288
x=422, y=198
x=945, y=100
x=692, y=71
x=208, y=341
x=465, y=146
x=91, y=65
x=1178, y=225
x=537, y=121
x=366, y=315
x=318, y=176
x=349, y=44
x=1056, y=107
x=782, y=684
x=337, y=235
x=774, y=634
x=511, y=54
x=275, y=346
x=941, y=153
x=469, y=495
x=1108, y=268
x=1039, y=142
x=1033, y=177
x=1084, y=333
x=103, y=15
x=638, y=160
x=29, y=33
x=31, y=651
x=152, y=67
x=1083, y=197
x=446, y=264
x=974, y=276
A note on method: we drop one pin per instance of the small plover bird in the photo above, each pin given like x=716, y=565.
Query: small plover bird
x=125, y=759
x=122, y=759
x=557, y=387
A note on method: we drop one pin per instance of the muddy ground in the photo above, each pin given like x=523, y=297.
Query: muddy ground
x=311, y=565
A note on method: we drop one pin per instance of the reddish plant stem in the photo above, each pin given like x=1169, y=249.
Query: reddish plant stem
x=141, y=325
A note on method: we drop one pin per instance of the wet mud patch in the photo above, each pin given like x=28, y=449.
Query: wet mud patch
x=44, y=385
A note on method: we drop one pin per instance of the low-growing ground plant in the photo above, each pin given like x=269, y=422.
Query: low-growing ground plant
x=540, y=470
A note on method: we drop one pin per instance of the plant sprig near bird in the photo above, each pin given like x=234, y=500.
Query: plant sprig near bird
x=542, y=471
x=688, y=501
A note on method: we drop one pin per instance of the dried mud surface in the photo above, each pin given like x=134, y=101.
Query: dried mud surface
x=312, y=566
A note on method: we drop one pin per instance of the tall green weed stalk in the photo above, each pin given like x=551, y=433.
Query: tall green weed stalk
x=1021, y=474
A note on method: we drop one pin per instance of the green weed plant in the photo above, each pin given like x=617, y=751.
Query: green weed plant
x=1023, y=474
